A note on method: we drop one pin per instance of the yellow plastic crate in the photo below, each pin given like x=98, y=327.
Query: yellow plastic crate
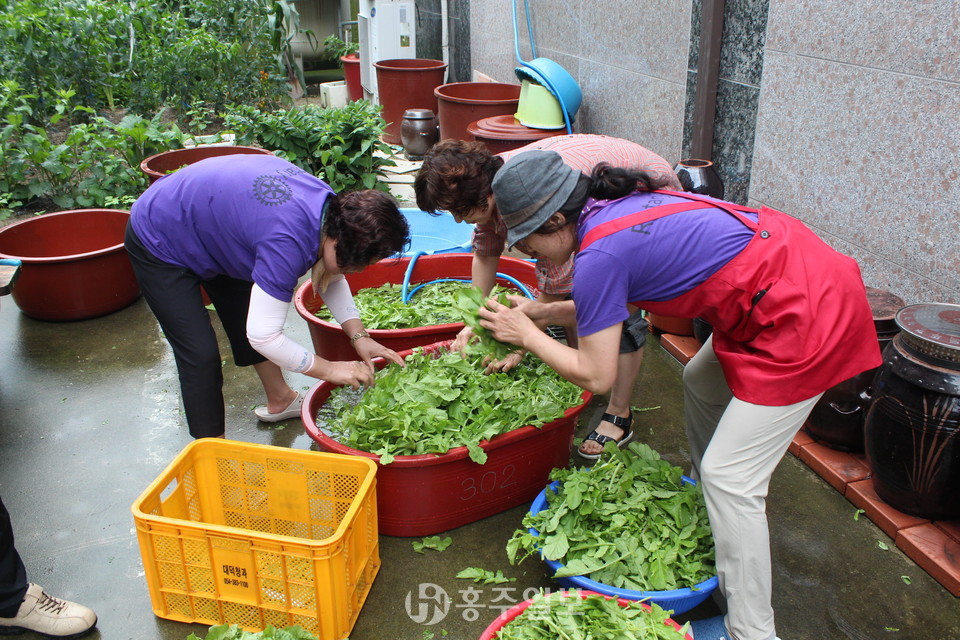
x=254, y=535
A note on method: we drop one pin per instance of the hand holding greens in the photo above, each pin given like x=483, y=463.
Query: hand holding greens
x=469, y=301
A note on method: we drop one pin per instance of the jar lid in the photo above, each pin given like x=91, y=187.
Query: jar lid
x=932, y=330
x=507, y=127
x=419, y=114
x=884, y=306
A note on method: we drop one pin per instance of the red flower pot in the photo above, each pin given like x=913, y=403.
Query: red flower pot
x=406, y=84
x=462, y=103
x=351, y=75
x=159, y=165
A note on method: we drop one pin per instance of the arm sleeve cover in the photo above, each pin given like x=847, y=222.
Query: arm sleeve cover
x=265, y=320
x=339, y=300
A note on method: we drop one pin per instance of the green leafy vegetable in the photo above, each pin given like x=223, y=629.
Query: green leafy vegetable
x=565, y=615
x=432, y=542
x=442, y=400
x=233, y=632
x=382, y=307
x=483, y=576
x=629, y=522
x=469, y=301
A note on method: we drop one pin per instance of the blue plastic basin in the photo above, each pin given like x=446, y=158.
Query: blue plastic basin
x=436, y=234
x=677, y=600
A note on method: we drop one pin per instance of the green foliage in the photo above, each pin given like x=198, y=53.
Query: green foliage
x=629, y=522
x=566, y=615
x=233, y=632
x=437, y=403
x=63, y=61
x=337, y=145
x=383, y=307
x=145, y=55
x=335, y=48
x=84, y=164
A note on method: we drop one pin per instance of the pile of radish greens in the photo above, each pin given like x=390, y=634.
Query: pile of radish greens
x=435, y=303
x=442, y=400
x=565, y=615
x=629, y=522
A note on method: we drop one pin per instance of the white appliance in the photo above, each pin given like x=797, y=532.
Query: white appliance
x=387, y=32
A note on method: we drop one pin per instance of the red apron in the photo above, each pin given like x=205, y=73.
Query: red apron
x=790, y=315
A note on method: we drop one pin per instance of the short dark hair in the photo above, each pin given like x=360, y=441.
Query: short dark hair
x=455, y=175
x=367, y=226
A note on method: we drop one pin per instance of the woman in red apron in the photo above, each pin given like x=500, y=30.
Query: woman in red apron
x=790, y=319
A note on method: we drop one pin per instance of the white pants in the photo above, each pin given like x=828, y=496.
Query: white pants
x=735, y=447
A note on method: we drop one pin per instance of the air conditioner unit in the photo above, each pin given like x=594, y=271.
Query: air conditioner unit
x=387, y=32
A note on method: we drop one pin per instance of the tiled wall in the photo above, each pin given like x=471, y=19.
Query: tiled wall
x=857, y=135
x=843, y=113
x=628, y=57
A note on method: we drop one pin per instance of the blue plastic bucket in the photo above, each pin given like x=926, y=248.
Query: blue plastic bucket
x=558, y=80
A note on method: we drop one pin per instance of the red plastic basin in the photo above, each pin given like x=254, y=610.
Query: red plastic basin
x=426, y=494
x=508, y=616
x=329, y=340
x=74, y=264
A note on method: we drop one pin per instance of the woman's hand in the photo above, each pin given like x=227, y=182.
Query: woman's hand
x=502, y=366
x=349, y=373
x=368, y=349
x=505, y=323
x=463, y=338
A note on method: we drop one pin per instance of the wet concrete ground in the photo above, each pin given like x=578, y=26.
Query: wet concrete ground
x=90, y=415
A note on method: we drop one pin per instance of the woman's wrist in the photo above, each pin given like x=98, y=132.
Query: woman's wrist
x=362, y=333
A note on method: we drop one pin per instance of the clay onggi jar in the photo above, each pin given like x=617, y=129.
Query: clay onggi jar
x=912, y=429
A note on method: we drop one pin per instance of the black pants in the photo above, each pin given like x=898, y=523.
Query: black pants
x=13, y=575
x=174, y=295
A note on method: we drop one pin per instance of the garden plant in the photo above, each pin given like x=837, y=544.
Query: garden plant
x=92, y=87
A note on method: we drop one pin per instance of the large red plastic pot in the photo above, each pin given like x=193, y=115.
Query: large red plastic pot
x=490, y=633
x=461, y=103
x=351, y=75
x=74, y=264
x=426, y=494
x=406, y=84
x=329, y=340
x=159, y=165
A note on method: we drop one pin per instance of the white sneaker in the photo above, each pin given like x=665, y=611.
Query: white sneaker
x=48, y=616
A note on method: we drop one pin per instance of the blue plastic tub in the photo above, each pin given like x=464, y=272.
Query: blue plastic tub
x=436, y=234
x=677, y=600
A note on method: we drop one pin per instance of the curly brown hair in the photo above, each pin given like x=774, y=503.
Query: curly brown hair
x=455, y=176
x=367, y=225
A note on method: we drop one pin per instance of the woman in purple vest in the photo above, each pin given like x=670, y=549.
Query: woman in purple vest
x=247, y=228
